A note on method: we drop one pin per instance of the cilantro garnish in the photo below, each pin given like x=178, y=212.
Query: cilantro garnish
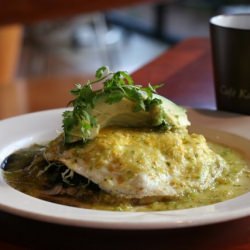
x=114, y=87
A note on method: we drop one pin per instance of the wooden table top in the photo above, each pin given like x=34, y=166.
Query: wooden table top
x=186, y=70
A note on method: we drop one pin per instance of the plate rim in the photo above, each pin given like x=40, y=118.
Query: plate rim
x=175, y=218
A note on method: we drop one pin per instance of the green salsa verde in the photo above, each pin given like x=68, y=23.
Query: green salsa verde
x=27, y=171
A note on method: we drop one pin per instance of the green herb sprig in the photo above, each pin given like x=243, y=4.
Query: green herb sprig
x=115, y=87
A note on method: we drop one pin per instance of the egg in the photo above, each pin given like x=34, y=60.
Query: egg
x=139, y=163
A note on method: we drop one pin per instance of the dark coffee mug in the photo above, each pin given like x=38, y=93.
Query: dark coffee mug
x=230, y=40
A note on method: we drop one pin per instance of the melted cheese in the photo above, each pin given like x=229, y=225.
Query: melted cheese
x=142, y=163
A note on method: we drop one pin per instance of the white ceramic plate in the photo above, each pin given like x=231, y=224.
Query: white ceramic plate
x=18, y=132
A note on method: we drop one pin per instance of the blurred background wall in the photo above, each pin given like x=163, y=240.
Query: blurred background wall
x=124, y=38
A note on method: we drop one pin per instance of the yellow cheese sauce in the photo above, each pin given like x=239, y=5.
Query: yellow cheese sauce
x=138, y=163
x=24, y=171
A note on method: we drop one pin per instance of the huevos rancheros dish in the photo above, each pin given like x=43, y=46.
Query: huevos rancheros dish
x=123, y=147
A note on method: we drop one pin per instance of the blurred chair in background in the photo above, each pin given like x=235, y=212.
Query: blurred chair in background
x=10, y=45
x=30, y=11
x=20, y=13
